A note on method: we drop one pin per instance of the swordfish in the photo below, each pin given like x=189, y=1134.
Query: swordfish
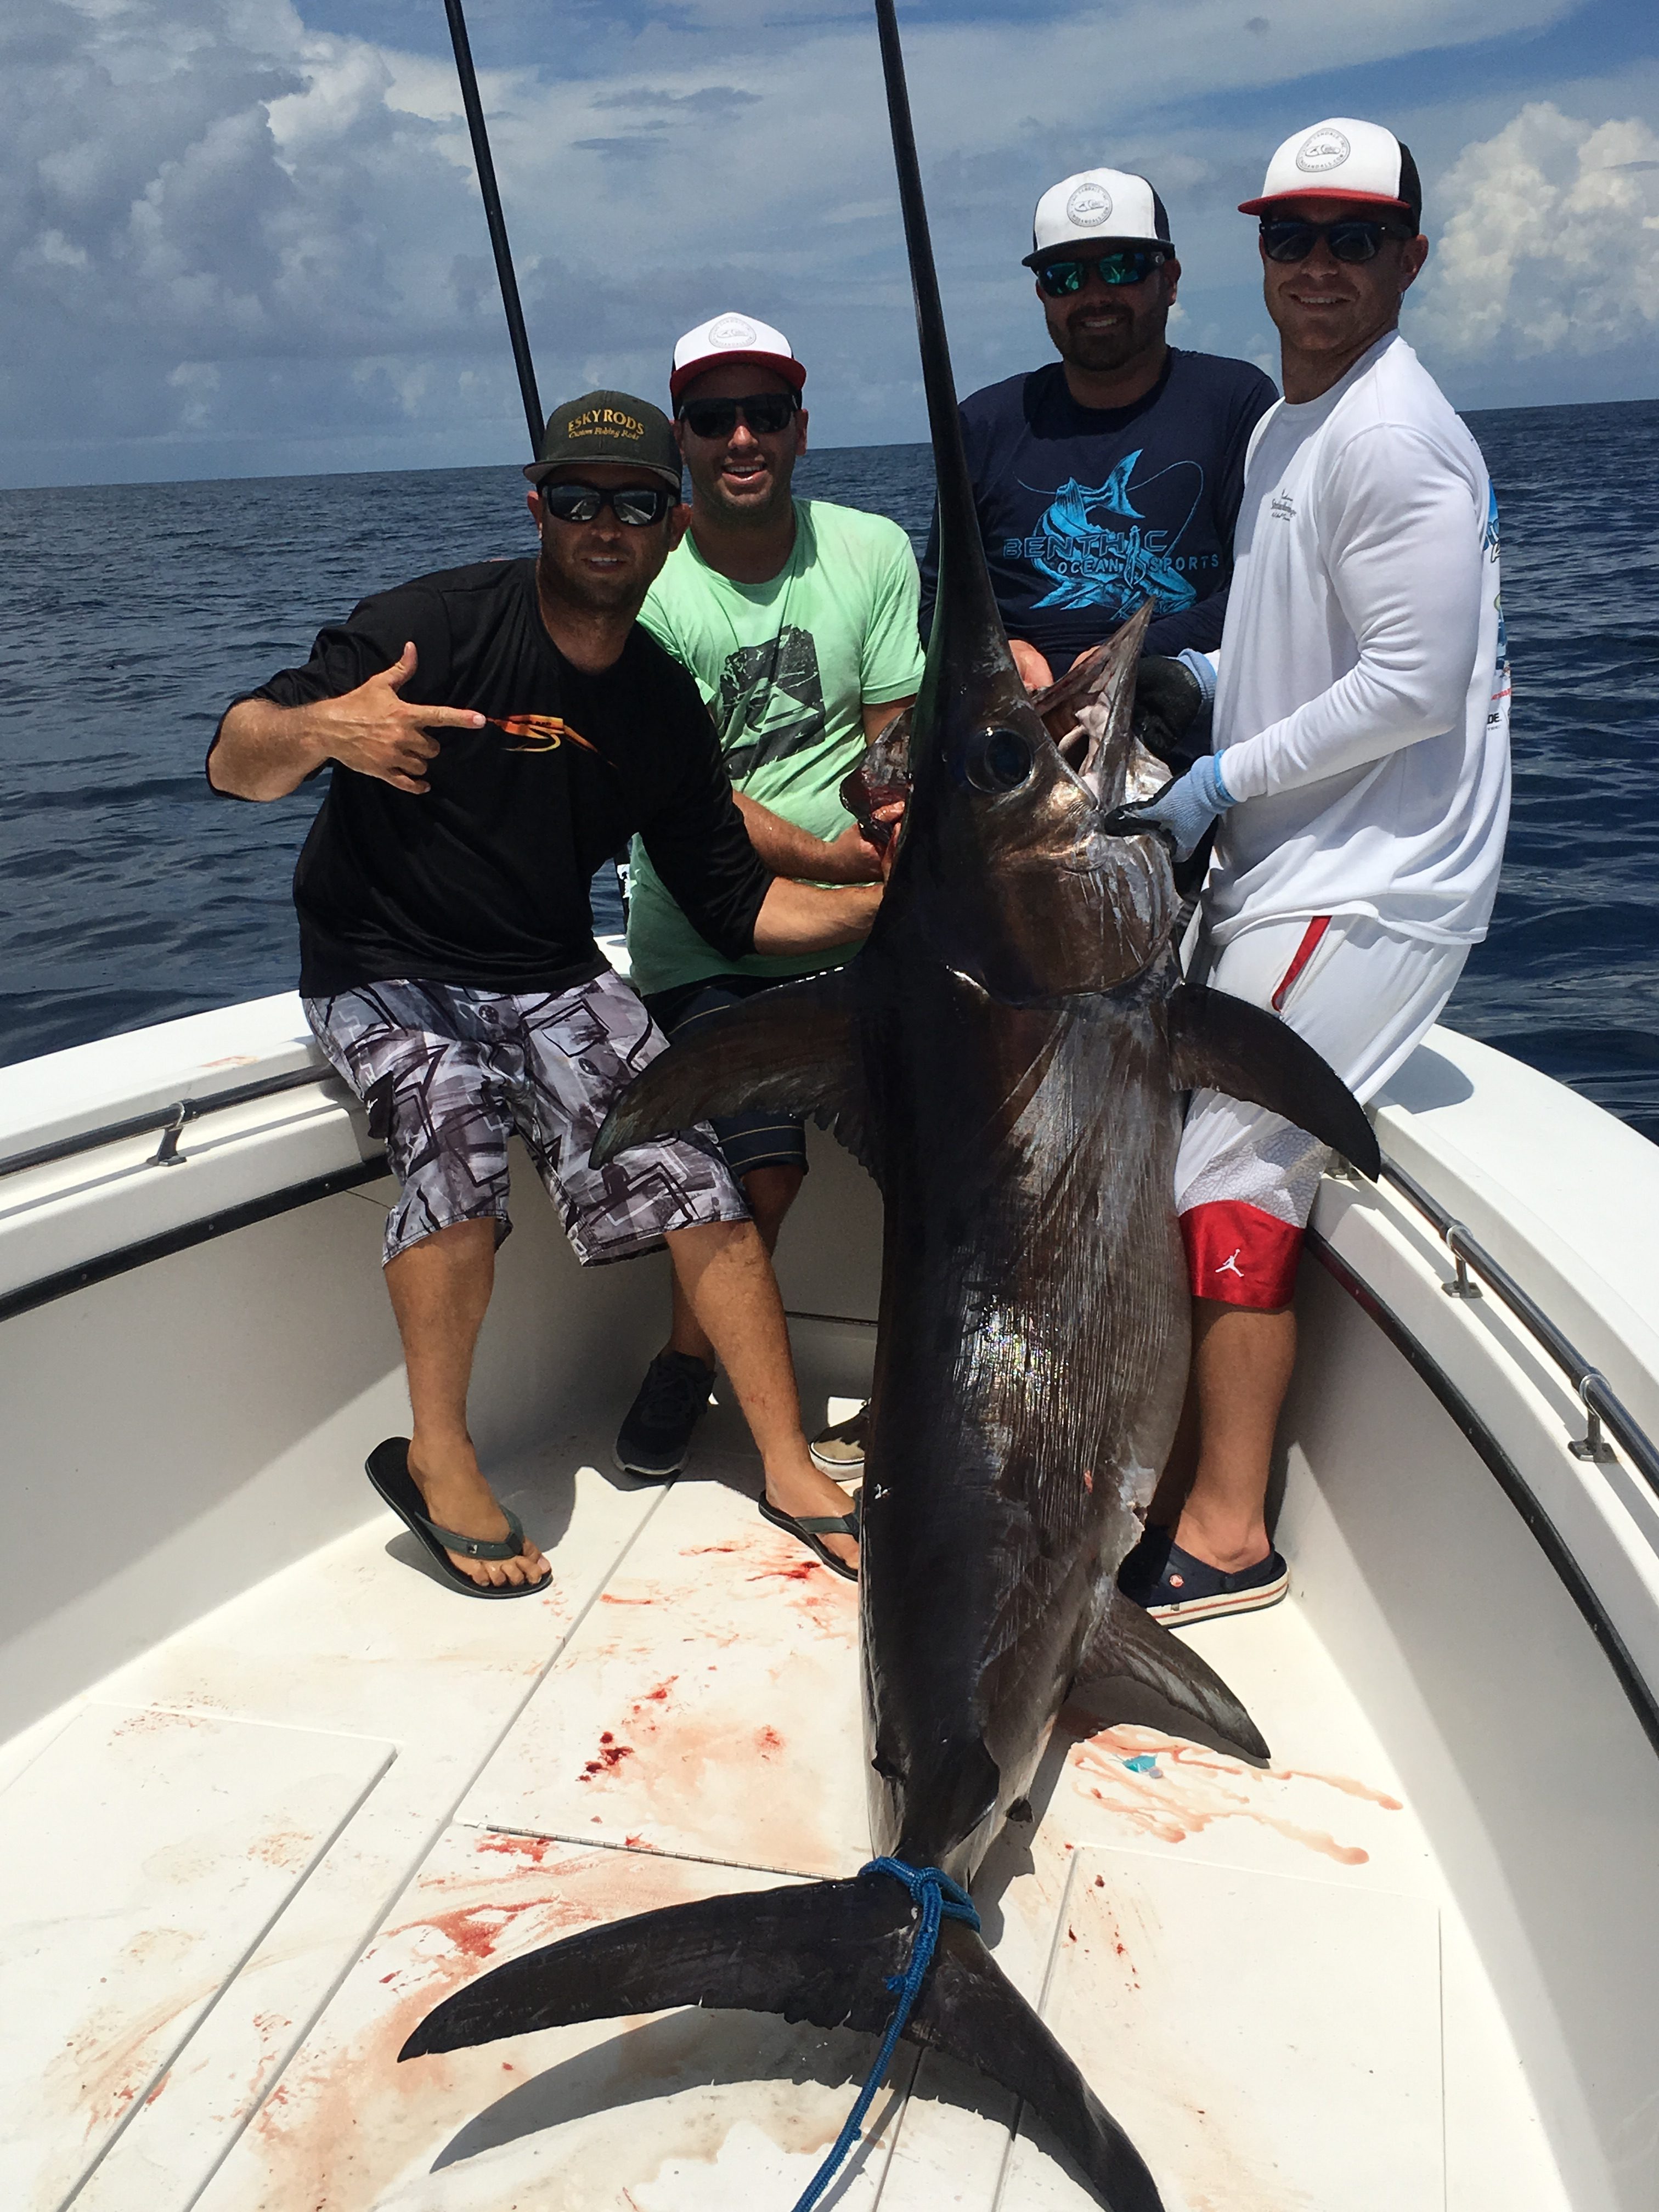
x=1009, y=1055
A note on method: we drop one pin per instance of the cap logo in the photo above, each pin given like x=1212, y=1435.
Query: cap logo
x=1088, y=206
x=1321, y=150
x=604, y=422
x=731, y=331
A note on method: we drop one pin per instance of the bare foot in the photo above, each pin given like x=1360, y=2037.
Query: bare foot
x=804, y=1493
x=456, y=1496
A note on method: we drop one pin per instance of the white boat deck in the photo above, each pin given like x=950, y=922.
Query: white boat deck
x=235, y=1876
x=245, y=1845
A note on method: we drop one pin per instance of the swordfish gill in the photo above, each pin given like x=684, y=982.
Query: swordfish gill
x=1008, y=1054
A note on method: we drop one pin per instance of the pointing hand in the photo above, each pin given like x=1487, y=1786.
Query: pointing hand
x=378, y=734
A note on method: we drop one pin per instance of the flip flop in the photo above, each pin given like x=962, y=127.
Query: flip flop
x=813, y=1526
x=387, y=1468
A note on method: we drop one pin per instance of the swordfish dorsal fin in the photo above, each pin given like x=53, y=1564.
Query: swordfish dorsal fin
x=791, y=1051
x=1218, y=1042
x=827, y=1951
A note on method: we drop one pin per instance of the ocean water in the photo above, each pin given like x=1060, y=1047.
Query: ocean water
x=130, y=615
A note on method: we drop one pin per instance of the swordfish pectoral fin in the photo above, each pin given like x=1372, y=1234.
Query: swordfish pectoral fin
x=1129, y=1651
x=792, y=1051
x=826, y=1952
x=1218, y=1042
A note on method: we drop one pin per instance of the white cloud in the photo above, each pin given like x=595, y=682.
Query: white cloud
x=187, y=184
x=1550, y=243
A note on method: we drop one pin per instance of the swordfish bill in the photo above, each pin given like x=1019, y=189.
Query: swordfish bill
x=1008, y=1054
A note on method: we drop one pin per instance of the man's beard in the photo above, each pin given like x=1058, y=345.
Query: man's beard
x=575, y=587
x=1105, y=348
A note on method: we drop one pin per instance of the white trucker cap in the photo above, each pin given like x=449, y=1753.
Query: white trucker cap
x=1094, y=206
x=1342, y=159
x=732, y=337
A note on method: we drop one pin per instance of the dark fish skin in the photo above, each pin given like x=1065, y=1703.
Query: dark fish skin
x=1007, y=1054
x=1030, y=1362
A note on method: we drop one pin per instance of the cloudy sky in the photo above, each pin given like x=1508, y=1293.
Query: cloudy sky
x=242, y=237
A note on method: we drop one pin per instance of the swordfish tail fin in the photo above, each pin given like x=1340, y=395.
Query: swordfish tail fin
x=823, y=1952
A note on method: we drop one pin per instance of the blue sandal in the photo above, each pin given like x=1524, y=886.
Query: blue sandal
x=1173, y=1586
x=387, y=1468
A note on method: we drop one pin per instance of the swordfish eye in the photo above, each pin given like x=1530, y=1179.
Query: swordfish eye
x=998, y=760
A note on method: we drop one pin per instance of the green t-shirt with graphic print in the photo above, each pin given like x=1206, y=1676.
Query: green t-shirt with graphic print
x=786, y=668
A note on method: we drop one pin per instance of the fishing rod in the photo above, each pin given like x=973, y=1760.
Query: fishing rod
x=497, y=221
x=938, y=383
x=960, y=549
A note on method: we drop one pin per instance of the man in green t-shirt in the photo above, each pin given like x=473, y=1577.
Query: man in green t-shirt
x=798, y=620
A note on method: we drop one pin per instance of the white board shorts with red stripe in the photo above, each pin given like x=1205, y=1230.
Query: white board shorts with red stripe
x=1364, y=997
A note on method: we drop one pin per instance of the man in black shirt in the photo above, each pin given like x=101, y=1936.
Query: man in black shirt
x=493, y=733
x=1114, y=475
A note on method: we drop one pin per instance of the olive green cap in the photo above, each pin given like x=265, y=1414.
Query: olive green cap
x=608, y=426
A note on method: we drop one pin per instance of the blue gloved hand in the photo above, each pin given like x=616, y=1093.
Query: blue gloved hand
x=1184, y=809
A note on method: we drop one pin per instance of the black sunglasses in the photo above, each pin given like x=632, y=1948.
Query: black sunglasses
x=1354, y=239
x=1126, y=265
x=636, y=504
x=766, y=413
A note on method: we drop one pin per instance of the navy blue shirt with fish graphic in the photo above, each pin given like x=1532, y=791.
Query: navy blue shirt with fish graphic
x=1086, y=511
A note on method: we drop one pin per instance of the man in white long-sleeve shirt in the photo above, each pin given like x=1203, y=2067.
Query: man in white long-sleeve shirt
x=1359, y=785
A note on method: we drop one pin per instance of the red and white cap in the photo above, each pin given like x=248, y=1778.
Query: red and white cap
x=1342, y=159
x=732, y=337
x=1096, y=207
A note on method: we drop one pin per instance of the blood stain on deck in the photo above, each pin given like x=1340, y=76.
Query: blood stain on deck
x=342, y=2120
x=611, y=1757
x=1170, y=1790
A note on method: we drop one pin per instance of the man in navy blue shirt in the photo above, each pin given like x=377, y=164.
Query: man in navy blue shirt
x=1114, y=474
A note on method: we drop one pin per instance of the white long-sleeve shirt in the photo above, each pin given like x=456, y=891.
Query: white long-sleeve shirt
x=1361, y=711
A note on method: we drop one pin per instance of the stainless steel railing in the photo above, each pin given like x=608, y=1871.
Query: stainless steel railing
x=170, y=1121
x=1603, y=1409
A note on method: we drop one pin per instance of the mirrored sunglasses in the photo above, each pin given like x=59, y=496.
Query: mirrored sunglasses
x=766, y=413
x=1130, y=264
x=635, y=504
x=1354, y=239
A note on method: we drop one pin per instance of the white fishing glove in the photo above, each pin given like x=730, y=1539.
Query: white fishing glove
x=1185, y=809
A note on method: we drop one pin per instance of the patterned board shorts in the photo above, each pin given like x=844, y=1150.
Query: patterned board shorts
x=449, y=1074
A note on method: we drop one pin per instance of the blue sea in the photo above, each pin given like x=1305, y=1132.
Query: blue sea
x=131, y=613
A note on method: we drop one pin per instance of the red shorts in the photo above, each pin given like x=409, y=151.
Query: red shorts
x=1238, y=1254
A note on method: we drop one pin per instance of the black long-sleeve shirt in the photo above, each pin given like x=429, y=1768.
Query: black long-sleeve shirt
x=482, y=879
x=1086, y=511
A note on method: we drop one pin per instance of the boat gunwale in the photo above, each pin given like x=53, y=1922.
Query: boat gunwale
x=222, y=1221
x=1501, y=1466
x=168, y=1121
x=1602, y=1404
x=1596, y=1394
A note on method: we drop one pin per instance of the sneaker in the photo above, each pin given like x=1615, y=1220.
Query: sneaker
x=656, y=1436
x=840, y=1450
x=1174, y=1586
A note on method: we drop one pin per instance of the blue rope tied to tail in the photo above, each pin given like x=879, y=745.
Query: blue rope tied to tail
x=939, y=1899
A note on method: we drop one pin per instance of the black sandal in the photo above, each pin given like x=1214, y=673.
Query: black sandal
x=387, y=1468
x=810, y=1528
